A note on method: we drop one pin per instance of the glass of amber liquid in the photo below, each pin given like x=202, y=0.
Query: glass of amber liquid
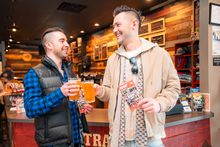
x=89, y=91
x=77, y=81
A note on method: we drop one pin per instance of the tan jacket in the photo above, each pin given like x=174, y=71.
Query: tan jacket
x=160, y=82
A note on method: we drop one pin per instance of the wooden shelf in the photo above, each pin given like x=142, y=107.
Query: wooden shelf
x=186, y=60
x=196, y=83
x=21, y=72
x=185, y=82
x=184, y=55
x=183, y=69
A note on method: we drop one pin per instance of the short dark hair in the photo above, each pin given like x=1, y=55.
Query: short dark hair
x=49, y=30
x=125, y=8
x=8, y=74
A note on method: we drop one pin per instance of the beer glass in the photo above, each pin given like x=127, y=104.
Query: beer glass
x=89, y=91
x=77, y=82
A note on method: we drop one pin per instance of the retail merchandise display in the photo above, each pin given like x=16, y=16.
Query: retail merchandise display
x=187, y=64
x=14, y=86
x=14, y=92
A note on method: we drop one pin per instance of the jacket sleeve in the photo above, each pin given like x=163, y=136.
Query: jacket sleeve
x=170, y=85
x=106, y=84
x=34, y=103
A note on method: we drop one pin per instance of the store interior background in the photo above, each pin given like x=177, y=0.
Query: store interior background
x=32, y=17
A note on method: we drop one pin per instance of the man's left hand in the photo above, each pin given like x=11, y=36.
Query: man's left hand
x=87, y=108
x=149, y=105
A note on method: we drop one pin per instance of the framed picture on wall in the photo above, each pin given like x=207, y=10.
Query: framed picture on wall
x=104, y=51
x=158, y=38
x=146, y=37
x=152, y=28
x=214, y=11
x=96, y=53
x=144, y=28
x=157, y=25
x=112, y=49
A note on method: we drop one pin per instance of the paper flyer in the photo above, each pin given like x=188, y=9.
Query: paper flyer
x=130, y=93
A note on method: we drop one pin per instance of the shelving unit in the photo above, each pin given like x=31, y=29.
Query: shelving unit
x=74, y=55
x=187, y=63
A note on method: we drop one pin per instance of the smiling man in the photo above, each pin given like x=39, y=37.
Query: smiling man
x=57, y=122
x=141, y=87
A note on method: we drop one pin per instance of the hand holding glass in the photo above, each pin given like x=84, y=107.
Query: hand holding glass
x=75, y=81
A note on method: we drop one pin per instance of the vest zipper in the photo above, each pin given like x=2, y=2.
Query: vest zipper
x=46, y=128
x=70, y=135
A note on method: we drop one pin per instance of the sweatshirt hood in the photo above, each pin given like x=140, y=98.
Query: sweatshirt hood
x=145, y=46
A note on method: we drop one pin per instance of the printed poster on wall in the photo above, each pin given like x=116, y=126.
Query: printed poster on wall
x=216, y=45
x=214, y=11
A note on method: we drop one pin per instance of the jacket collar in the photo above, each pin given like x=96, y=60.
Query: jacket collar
x=47, y=61
x=145, y=46
x=66, y=65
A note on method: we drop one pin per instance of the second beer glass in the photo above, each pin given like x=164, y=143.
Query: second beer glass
x=89, y=91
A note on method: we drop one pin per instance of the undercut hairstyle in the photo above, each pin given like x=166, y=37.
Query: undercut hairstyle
x=125, y=8
x=49, y=30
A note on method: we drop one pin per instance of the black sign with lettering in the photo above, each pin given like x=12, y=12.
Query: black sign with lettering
x=216, y=61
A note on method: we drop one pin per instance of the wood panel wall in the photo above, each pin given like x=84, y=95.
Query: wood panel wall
x=178, y=28
x=105, y=36
x=179, y=23
x=18, y=60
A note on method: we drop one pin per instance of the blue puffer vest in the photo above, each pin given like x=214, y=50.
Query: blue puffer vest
x=55, y=126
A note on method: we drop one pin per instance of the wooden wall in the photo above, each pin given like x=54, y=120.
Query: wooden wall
x=178, y=21
x=103, y=37
x=21, y=60
x=178, y=27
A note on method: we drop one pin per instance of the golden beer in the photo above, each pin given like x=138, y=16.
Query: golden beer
x=77, y=82
x=89, y=91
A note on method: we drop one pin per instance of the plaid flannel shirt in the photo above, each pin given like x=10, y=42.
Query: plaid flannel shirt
x=37, y=105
